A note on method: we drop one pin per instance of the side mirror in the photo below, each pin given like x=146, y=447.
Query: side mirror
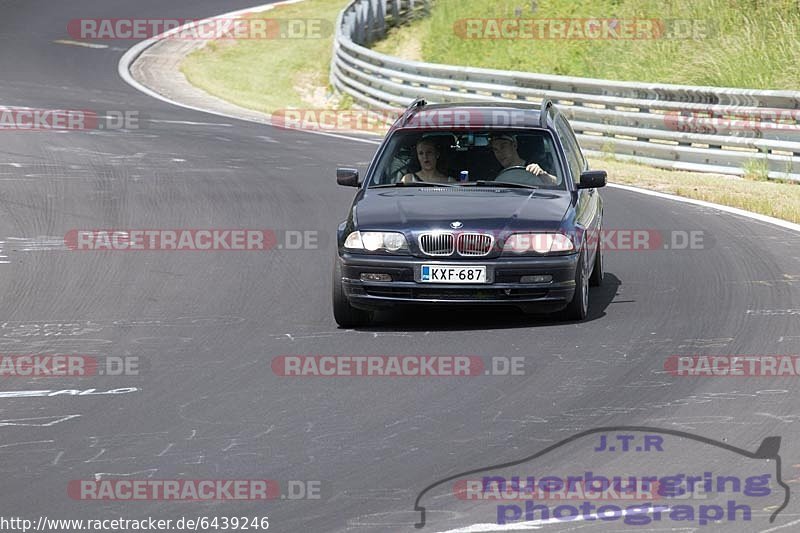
x=347, y=177
x=592, y=179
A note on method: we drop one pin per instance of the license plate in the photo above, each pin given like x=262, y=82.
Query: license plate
x=452, y=274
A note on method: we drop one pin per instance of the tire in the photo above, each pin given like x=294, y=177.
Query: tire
x=346, y=315
x=596, y=278
x=578, y=308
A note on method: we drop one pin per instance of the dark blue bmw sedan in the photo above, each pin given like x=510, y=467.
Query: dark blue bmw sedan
x=471, y=204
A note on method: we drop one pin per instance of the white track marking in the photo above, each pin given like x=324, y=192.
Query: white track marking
x=190, y=123
x=33, y=421
x=72, y=393
x=79, y=43
x=98, y=476
x=26, y=443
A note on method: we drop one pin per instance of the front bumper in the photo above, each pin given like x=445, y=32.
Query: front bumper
x=503, y=285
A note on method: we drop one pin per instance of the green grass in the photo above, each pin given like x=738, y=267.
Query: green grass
x=756, y=169
x=750, y=43
x=267, y=75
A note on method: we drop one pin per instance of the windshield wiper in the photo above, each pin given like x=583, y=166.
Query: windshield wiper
x=485, y=183
x=412, y=184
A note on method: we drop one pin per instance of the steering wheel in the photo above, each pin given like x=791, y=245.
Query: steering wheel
x=512, y=168
x=520, y=175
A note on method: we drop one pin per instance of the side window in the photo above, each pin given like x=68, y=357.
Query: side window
x=575, y=158
x=578, y=152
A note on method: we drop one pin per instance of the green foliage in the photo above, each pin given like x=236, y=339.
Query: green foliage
x=756, y=169
x=725, y=43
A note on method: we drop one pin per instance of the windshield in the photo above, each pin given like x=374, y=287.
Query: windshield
x=505, y=157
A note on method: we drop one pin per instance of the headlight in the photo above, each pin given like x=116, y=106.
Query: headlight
x=541, y=243
x=374, y=241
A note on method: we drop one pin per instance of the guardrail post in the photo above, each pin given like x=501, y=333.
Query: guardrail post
x=370, y=25
x=380, y=19
x=360, y=24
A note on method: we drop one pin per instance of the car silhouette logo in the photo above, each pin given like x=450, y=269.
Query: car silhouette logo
x=456, y=224
x=768, y=449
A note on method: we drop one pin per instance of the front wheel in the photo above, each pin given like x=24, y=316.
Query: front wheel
x=345, y=314
x=578, y=308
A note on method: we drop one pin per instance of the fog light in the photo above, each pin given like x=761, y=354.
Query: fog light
x=536, y=279
x=376, y=277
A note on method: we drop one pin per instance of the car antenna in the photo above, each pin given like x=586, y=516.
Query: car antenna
x=546, y=105
x=411, y=109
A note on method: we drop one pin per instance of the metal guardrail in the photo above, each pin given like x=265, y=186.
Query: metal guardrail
x=671, y=126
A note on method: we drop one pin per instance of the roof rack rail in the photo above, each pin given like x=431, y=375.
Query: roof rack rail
x=546, y=105
x=411, y=109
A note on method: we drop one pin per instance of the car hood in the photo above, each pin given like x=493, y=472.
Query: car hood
x=481, y=208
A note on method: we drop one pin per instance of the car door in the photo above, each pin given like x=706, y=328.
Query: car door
x=589, y=207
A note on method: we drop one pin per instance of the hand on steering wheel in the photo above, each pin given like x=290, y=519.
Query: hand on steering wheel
x=535, y=169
